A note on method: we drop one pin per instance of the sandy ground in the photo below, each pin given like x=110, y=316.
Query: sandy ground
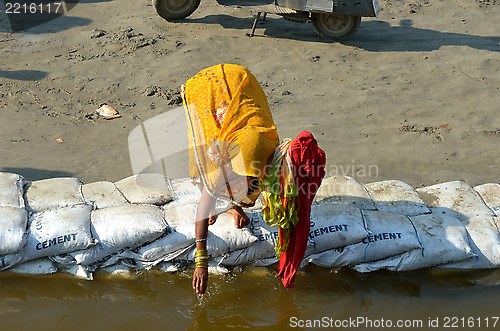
x=413, y=96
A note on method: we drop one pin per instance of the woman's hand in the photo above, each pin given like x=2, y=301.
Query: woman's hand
x=203, y=216
x=200, y=280
x=240, y=218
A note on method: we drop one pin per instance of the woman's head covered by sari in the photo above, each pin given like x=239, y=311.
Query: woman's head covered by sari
x=231, y=130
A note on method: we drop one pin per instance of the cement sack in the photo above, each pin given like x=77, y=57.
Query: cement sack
x=133, y=260
x=53, y=193
x=334, y=226
x=167, y=247
x=223, y=237
x=390, y=234
x=394, y=196
x=119, y=270
x=58, y=231
x=262, y=248
x=76, y=270
x=13, y=229
x=444, y=240
x=264, y=262
x=455, y=199
x=490, y=193
x=9, y=261
x=42, y=266
x=11, y=190
x=148, y=188
x=102, y=195
x=180, y=215
x=344, y=190
x=168, y=266
x=175, y=265
x=484, y=239
x=121, y=227
x=215, y=268
x=184, y=191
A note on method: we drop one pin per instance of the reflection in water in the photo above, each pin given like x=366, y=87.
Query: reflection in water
x=251, y=299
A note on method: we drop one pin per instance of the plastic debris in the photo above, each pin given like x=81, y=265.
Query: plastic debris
x=108, y=112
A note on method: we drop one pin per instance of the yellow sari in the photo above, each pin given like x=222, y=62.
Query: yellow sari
x=231, y=131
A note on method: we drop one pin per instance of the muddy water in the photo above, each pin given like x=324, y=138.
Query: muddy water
x=252, y=299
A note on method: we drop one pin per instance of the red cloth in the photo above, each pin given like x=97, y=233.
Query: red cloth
x=309, y=169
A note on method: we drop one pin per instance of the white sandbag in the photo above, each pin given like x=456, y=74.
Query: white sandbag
x=215, y=268
x=58, y=231
x=102, y=195
x=223, y=237
x=484, y=239
x=148, y=188
x=491, y=196
x=168, y=267
x=53, y=193
x=344, y=190
x=13, y=229
x=11, y=190
x=79, y=271
x=9, y=261
x=119, y=270
x=334, y=226
x=167, y=247
x=390, y=234
x=180, y=215
x=120, y=227
x=264, y=262
x=394, y=196
x=42, y=266
x=444, y=240
x=262, y=248
x=184, y=191
x=455, y=199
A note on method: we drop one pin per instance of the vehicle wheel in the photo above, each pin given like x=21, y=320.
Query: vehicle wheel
x=335, y=27
x=175, y=9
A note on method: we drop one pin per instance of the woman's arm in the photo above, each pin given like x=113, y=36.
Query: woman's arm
x=205, y=208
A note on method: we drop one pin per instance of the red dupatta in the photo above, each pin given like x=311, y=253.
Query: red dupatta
x=309, y=169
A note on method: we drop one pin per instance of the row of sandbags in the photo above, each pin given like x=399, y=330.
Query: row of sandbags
x=56, y=217
x=456, y=225
x=143, y=222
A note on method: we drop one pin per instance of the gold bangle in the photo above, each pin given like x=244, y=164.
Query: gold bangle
x=201, y=258
x=201, y=264
x=201, y=252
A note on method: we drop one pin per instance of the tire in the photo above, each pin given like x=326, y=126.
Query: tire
x=335, y=27
x=175, y=9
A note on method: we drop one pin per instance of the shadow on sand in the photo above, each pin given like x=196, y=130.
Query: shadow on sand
x=26, y=75
x=374, y=35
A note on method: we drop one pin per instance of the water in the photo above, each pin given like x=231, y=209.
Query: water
x=253, y=299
